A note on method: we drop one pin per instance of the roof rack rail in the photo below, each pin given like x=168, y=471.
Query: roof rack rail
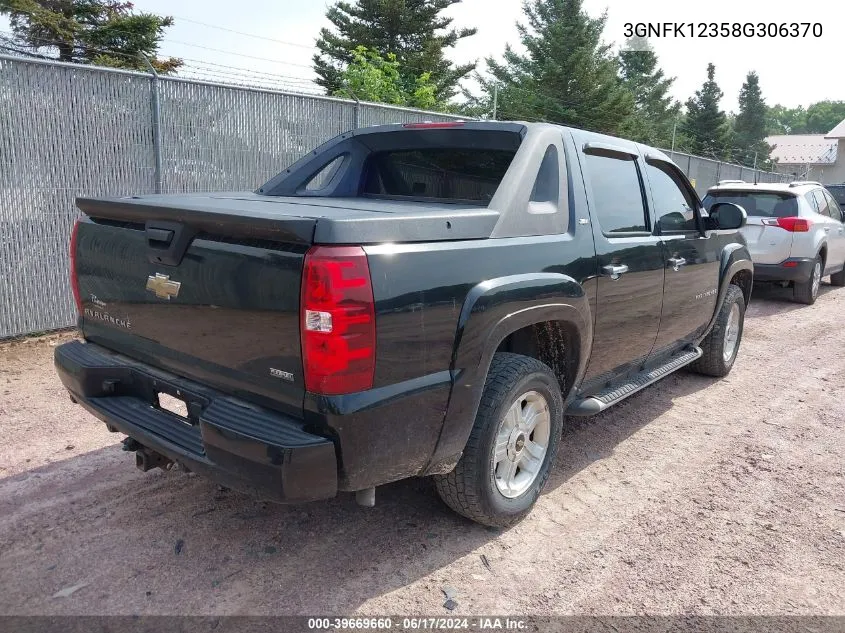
x=730, y=182
x=799, y=183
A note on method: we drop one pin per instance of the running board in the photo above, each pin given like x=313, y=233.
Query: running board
x=610, y=396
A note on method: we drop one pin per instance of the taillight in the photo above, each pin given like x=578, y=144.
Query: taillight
x=338, y=327
x=794, y=225
x=74, y=278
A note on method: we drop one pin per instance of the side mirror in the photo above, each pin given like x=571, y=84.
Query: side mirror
x=726, y=216
x=674, y=221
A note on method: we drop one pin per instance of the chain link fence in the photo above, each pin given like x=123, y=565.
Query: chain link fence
x=706, y=172
x=69, y=131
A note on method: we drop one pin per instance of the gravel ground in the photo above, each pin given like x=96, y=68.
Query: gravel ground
x=695, y=496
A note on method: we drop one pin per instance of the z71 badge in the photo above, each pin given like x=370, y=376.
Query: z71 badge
x=284, y=375
x=709, y=293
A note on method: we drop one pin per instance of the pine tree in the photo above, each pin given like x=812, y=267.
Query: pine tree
x=568, y=75
x=100, y=32
x=412, y=30
x=750, y=124
x=655, y=111
x=706, y=126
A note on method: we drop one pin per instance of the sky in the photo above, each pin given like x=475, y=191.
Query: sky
x=277, y=41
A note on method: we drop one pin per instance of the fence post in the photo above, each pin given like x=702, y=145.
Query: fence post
x=156, y=124
x=356, y=109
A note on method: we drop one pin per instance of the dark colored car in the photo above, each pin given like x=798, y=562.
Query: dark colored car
x=407, y=300
x=838, y=193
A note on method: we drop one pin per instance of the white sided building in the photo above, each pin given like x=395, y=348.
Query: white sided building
x=819, y=157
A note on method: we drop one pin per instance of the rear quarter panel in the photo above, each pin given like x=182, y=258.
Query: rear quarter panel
x=420, y=291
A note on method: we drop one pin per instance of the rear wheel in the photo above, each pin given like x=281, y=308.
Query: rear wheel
x=512, y=446
x=720, y=347
x=808, y=291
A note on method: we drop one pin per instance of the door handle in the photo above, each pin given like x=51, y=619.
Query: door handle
x=615, y=270
x=827, y=229
x=676, y=262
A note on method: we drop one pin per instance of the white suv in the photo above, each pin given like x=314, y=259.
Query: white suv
x=795, y=232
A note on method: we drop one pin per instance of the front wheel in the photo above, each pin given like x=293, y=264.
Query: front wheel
x=721, y=346
x=512, y=446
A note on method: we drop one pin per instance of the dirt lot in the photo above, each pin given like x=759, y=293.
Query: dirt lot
x=695, y=496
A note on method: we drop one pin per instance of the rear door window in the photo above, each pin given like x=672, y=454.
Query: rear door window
x=617, y=194
x=822, y=202
x=446, y=174
x=833, y=207
x=766, y=204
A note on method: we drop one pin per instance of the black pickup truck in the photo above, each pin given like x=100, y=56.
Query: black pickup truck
x=406, y=300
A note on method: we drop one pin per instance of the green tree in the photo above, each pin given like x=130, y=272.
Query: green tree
x=370, y=77
x=706, y=126
x=100, y=32
x=819, y=118
x=568, y=75
x=749, y=126
x=415, y=31
x=823, y=116
x=783, y=120
x=655, y=111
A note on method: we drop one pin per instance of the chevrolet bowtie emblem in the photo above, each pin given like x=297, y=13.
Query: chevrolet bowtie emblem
x=162, y=286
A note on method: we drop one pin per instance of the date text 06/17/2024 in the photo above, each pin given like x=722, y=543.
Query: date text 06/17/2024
x=723, y=29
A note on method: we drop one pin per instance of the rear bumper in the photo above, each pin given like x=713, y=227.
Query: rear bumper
x=241, y=446
x=792, y=269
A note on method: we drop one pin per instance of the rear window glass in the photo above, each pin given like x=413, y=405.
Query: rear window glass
x=471, y=175
x=756, y=203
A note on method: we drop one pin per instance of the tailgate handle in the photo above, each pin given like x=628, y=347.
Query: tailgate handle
x=159, y=235
x=167, y=242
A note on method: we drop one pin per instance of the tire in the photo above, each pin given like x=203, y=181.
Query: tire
x=473, y=488
x=716, y=360
x=808, y=291
x=838, y=279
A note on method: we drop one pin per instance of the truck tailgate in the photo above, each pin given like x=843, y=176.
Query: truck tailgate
x=224, y=311
x=207, y=286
